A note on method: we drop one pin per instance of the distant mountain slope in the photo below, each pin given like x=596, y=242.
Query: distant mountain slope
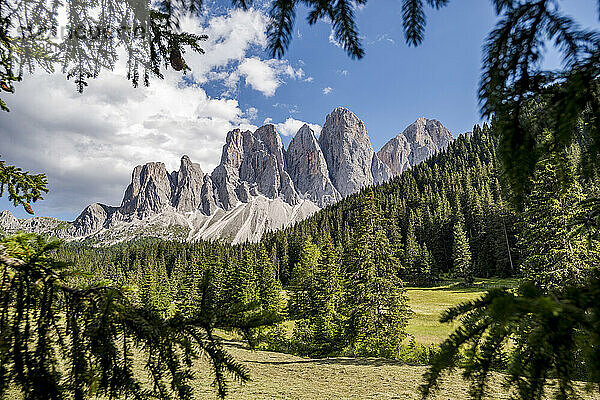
x=257, y=187
x=418, y=142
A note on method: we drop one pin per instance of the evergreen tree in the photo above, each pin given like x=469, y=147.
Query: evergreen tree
x=245, y=285
x=303, y=280
x=461, y=253
x=327, y=321
x=375, y=299
x=269, y=288
x=554, y=255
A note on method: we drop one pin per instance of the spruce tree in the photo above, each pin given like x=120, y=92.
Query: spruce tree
x=302, y=280
x=269, y=288
x=461, y=253
x=554, y=254
x=376, y=304
x=245, y=285
x=327, y=322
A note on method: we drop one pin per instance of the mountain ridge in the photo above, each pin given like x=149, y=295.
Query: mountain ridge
x=258, y=186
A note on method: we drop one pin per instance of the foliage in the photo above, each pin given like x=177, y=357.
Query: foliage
x=22, y=187
x=461, y=253
x=375, y=299
x=555, y=253
x=317, y=301
x=47, y=321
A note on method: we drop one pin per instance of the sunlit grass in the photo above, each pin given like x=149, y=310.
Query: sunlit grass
x=428, y=304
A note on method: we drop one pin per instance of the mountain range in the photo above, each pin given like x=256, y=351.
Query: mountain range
x=258, y=185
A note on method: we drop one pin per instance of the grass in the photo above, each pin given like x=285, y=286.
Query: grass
x=285, y=376
x=428, y=304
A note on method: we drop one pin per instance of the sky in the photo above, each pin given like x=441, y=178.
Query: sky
x=89, y=143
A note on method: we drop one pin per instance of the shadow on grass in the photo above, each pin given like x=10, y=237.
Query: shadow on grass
x=460, y=287
x=343, y=361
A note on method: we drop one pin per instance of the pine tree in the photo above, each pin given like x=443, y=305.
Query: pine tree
x=375, y=299
x=553, y=254
x=327, y=322
x=269, y=288
x=245, y=285
x=461, y=252
x=302, y=280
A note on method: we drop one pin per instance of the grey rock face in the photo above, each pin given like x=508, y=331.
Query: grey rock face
x=208, y=203
x=93, y=218
x=421, y=140
x=252, y=164
x=226, y=175
x=8, y=222
x=306, y=166
x=381, y=172
x=41, y=225
x=149, y=191
x=187, y=186
x=348, y=152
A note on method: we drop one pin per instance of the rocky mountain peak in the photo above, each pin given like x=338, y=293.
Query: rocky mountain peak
x=349, y=153
x=149, y=190
x=233, y=150
x=307, y=167
x=187, y=186
x=8, y=221
x=252, y=164
x=92, y=219
x=419, y=141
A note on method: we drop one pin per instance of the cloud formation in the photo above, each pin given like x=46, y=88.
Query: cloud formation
x=291, y=126
x=89, y=143
x=230, y=38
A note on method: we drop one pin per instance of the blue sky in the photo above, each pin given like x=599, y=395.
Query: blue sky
x=88, y=144
x=393, y=84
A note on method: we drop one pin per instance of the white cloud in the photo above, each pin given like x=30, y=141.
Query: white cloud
x=384, y=38
x=333, y=40
x=309, y=79
x=343, y=72
x=252, y=113
x=260, y=76
x=268, y=120
x=290, y=108
x=265, y=76
x=88, y=144
x=327, y=90
x=230, y=38
x=291, y=126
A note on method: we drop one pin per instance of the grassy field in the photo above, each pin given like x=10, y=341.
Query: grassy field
x=284, y=376
x=429, y=303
